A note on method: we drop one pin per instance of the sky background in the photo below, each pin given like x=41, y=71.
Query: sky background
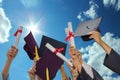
x=50, y=17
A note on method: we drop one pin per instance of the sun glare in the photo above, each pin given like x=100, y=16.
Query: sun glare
x=34, y=27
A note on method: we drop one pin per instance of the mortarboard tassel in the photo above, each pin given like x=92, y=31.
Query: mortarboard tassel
x=36, y=54
x=47, y=74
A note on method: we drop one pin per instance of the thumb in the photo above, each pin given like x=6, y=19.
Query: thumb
x=91, y=36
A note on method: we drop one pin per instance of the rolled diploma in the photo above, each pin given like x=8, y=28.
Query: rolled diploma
x=67, y=33
x=51, y=48
x=72, y=42
x=18, y=37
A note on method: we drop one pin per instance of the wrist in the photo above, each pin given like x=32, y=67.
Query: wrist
x=8, y=61
x=79, y=70
x=105, y=47
x=32, y=79
x=80, y=67
x=73, y=78
x=99, y=41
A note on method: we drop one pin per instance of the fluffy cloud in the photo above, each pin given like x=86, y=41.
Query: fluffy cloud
x=94, y=55
x=113, y=3
x=90, y=13
x=0, y=1
x=30, y=3
x=117, y=7
x=5, y=26
x=109, y=2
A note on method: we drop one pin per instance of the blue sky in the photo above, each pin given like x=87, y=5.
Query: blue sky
x=50, y=17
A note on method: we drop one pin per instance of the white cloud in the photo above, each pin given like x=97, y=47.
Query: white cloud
x=109, y=2
x=94, y=55
x=90, y=13
x=5, y=27
x=118, y=5
x=30, y=3
x=0, y=1
x=111, y=78
x=80, y=16
x=113, y=3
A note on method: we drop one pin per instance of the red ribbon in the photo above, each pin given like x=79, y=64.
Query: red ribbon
x=18, y=31
x=69, y=36
x=58, y=50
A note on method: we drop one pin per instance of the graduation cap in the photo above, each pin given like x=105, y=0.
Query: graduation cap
x=87, y=26
x=53, y=42
x=29, y=47
x=49, y=59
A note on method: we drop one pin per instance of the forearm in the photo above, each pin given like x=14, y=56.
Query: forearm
x=32, y=79
x=73, y=78
x=106, y=47
x=63, y=73
x=6, y=70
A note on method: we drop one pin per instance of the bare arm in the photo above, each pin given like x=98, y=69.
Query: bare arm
x=97, y=37
x=63, y=73
x=77, y=62
x=105, y=47
x=32, y=73
x=10, y=56
x=73, y=71
x=76, y=58
x=32, y=70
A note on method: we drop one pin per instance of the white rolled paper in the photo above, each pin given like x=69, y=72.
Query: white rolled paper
x=67, y=33
x=72, y=42
x=70, y=25
x=18, y=37
x=51, y=48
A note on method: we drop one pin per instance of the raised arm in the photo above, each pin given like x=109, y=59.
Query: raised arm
x=76, y=59
x=63, y=73
x=112, y=59
x=97, y=37
x=11, y=54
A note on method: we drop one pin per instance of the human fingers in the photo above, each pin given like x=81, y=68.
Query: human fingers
x=32, y=71
x=13, y=50
x=72, y=52
x=10, y=54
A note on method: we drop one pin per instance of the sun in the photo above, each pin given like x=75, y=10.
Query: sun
x=34, y=26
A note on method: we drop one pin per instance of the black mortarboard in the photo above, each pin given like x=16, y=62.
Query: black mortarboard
x=87, y=26
x=30, y=45
x=49, y=59
x=53, y=42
